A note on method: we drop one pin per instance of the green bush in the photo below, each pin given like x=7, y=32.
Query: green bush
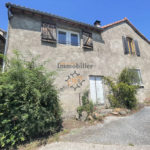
x=87, y=105
x=123, y=90
x=29, y=104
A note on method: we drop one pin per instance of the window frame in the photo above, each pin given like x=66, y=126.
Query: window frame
x=140, y=77
x=132, y=50
x=68, y=37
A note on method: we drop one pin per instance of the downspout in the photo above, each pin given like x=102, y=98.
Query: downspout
x=6, y=44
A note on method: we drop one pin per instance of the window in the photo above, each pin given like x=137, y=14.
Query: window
x=136, y=78
x=62, y=37
x=130, y=45
x=68, y=37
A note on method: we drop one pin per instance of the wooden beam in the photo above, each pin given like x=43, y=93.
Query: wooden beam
x=15, y=9
x=38, y=15
x=55, y=19
x=63, y=20
x=27, y=12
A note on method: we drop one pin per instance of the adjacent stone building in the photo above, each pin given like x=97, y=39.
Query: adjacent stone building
x=2, y=43
x=82, y=54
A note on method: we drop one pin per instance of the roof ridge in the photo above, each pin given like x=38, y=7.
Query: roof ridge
x=129, y=23
x=49, y=14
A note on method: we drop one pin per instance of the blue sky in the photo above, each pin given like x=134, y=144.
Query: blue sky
x=107, y=11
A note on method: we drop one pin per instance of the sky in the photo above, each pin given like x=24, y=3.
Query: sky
x=88, y=11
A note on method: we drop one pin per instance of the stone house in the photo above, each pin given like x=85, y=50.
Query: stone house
x=82, y=54
x=2, y=43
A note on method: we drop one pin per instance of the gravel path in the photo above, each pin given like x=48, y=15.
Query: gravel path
x=90, y=146
x=134, y=129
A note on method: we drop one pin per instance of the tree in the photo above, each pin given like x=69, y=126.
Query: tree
x=29, y=103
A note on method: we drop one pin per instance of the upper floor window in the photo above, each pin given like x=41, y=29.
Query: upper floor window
x=50, y=33
x=68, y=37
x=131, y=46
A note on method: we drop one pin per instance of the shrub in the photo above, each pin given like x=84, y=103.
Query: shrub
x=87, y=105
x=123, y=90
x=29, y=104
x=147, y=100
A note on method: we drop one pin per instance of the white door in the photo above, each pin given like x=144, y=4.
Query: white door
x=93, y=89
x=96, y=89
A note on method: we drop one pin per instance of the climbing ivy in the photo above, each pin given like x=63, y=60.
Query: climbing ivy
x=123, y=89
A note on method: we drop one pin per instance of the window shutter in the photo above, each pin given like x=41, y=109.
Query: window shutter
x=48, y=32
x=87, y=40
x=126, y=49
x=137, y=47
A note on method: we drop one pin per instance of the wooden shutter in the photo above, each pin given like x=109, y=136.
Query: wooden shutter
x=125, y=45
x=87, y=40
x=48, y=32
x=137, y=47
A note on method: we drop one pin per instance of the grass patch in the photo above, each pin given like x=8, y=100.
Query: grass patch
x=130, y=144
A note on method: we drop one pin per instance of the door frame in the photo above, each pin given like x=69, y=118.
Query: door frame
x=101, y=104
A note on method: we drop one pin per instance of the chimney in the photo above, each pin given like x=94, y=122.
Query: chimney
x=97, y=23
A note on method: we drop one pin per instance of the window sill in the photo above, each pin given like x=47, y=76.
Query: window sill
x=68, y=45
x=88, y=47
x=141, y=86
x=50, y=41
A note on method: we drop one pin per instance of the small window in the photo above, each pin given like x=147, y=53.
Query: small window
x=62, y=37
x=68, y=37
x=74, y=39
x=130, y=45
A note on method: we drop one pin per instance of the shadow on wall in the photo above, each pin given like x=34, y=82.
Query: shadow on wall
x=54, y=45
x=25, y=22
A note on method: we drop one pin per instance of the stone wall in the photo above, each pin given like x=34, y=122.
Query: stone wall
x=106, y=58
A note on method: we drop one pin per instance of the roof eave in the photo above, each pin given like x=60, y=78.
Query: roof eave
x=52, y=15
x=2, y=38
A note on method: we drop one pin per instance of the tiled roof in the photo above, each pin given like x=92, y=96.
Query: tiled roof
x=3, y=30
x=130, y=24
x=52, y=15
x=1, y=37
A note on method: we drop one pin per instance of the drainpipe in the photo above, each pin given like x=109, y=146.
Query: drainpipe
x=6, y=44
x=79, y=99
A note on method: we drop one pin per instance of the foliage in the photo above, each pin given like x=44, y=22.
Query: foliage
x=87, y=105
x=124, y=89
x=29, y=104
